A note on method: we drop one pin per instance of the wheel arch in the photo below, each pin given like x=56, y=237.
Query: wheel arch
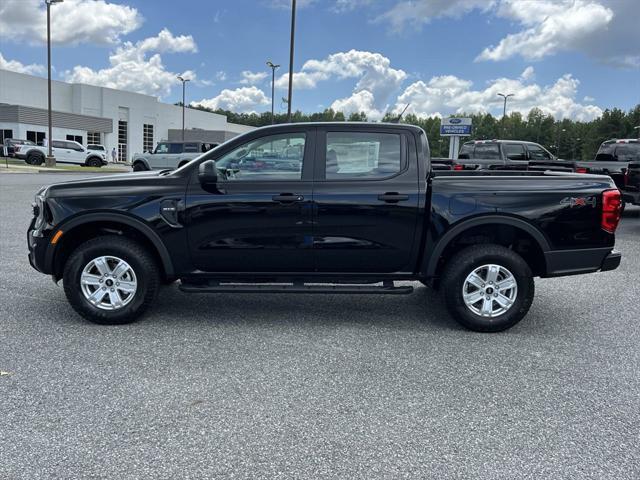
x=141, y=160
x=432, y=263
x=90, y=225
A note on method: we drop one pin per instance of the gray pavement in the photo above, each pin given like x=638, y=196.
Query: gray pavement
x=275, y=386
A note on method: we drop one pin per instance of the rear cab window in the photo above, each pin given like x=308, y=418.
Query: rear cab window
x=363, y=155
x=487, y=151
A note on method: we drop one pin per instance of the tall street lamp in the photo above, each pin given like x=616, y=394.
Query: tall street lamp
x=273, y=82
x=50, y=160
x=184, y=82
x=293, y=34
x=504, y=109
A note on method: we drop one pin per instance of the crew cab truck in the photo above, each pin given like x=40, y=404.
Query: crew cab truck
x=170, y=155
x=358, y=209
x=65, y=151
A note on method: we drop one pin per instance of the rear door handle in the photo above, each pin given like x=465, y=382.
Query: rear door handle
x=287, y=198
x=393, y=197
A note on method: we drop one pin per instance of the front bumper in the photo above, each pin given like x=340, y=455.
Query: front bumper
x=38, y=251
x=576, y=262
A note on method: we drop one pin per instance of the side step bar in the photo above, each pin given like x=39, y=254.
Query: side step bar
x=387, y=288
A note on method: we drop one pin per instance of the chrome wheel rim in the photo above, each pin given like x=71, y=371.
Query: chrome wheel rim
x=108, y=283
x=490, y=290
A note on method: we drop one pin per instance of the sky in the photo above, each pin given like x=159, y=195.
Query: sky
x=571, y=58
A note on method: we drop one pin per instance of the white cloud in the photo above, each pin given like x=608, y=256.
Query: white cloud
x=16, y=66
x=528, y=74
x=244, y=99
x=554, y=27
x=450, y=94
x=373, y=71
x=73, y=22
x=606, y=30
x=362, y=101
x=418, y=12
x=131, y=69
x=252, y=78
x=221, y=76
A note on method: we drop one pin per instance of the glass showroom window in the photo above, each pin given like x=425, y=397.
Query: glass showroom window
x=93, y=138
x=147, y=138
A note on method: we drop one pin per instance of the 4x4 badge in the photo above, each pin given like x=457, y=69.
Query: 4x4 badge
x=578, y=201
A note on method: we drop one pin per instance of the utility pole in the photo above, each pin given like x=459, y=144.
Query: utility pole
x=273, y=83
x=184, y=82
x=50, y=161
x=291, y=48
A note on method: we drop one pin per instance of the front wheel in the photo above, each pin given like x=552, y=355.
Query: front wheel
x=139, y=167
x=111, y=280
x=94, y=162
x=488, y=288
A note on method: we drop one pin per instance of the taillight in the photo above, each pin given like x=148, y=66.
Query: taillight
x=457, y=167
x=611, y=210
x=581, y=170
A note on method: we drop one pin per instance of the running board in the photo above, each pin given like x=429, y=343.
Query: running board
x=386, y=289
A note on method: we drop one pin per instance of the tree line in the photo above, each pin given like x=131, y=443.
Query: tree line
x=566, y=138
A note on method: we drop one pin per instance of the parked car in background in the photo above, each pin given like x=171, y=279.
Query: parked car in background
x=10, y=144
x=498, y=154
x=169, y=155
x=65, y=151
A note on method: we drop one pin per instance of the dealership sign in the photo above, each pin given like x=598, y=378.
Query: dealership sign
x=458, y=127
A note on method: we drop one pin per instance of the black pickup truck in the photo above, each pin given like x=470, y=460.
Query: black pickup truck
x=354, y=208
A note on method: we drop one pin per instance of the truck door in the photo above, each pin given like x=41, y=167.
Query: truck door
x=366, y=196
x=258, y=217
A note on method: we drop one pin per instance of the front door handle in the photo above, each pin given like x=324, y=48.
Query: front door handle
x=393, y=197
x=287, y=198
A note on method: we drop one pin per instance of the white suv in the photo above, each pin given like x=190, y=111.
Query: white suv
x=65, y=151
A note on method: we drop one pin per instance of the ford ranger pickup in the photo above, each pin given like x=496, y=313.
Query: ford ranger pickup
x=333, y=208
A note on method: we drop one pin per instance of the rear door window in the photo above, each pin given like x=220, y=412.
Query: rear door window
x=59, y=144
x=515, y=151
x=176, y=147
x=362, y=155
x=487, y=152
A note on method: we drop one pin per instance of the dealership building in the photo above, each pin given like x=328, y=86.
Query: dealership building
x=129, y=122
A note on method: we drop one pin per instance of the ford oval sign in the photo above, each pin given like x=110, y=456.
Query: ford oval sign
x=455, y=127
x=454, y=120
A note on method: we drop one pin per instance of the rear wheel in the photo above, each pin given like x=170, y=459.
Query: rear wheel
x=488, y=288
x=111, y=280
x=35, y=159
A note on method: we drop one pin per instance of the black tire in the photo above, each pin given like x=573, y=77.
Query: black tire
x=94, y=162
x=35, y=159
x=472, y=258
x=139, y=167
x=143, y=264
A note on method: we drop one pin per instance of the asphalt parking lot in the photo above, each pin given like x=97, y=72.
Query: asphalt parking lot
x=275, y=386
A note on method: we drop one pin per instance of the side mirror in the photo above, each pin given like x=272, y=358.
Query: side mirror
x=207, y=173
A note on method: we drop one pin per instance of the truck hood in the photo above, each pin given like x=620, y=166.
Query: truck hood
x=117, y=184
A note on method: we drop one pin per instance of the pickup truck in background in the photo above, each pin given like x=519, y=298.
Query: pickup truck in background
x=333, y=208
x=631, y=191
x=65, y=151
x=170, y=155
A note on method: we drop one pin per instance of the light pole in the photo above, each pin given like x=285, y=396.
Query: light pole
x=50, y=161
x=184, y=82
x=293, y=34
x=273, y=83
x=504, y=108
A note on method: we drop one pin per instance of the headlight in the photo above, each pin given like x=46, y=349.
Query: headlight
x=40, y=211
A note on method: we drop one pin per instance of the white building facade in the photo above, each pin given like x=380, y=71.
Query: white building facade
x=129, y=122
